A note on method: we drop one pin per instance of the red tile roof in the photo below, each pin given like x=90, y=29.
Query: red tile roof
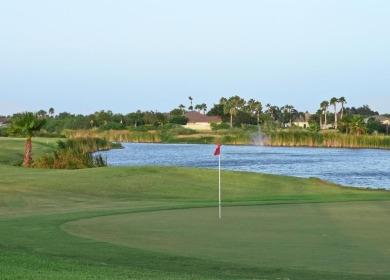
x=198, y=117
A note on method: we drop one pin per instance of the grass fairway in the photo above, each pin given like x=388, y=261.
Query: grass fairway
x=161, y=223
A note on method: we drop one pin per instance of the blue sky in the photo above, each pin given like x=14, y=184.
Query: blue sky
x=123, y=55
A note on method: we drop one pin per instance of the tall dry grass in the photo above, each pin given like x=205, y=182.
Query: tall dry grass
x=116, y=135
x=329, y=139
x=283, y=137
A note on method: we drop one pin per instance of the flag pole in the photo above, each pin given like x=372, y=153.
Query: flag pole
x=219, y=184
x=218, y=153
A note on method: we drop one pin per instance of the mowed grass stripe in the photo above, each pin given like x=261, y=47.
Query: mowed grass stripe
x=337, y=237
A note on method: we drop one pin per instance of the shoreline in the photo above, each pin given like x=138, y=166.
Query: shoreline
x=282, y=138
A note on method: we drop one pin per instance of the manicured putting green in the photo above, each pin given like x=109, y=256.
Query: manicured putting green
x=339, y=237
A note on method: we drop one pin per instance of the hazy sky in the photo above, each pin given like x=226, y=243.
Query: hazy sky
x=123, y=55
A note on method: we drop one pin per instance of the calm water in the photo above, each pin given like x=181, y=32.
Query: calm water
x=349, y=167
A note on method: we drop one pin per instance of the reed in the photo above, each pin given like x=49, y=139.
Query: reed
x=332, y=139
x=236, y=139
x=241, y=136
x=116, y=135
x=192, y=140
x=75, y=154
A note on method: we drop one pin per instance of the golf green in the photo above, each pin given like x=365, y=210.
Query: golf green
x=335, y=237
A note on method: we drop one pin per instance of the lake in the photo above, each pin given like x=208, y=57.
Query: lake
x=368, y=168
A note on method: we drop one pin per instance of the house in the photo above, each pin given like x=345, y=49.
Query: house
x=3, y=121
x=199, y=121
x=301, y=121
x=380, y=118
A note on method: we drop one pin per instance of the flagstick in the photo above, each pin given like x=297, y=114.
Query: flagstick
x=219, y=177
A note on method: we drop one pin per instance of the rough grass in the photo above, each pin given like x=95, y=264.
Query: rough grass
x=37, y=204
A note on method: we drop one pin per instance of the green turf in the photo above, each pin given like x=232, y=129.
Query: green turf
x=12, y=149
x=157, y=222
x=347, y=237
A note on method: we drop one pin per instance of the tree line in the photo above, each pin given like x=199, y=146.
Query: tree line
x=234, y=111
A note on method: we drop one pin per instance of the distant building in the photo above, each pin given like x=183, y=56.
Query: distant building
x=3, y=121
x=301, y=121
x=382, y=119
x=199, y=121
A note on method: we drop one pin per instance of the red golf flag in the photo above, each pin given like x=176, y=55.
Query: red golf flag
x=218, y=150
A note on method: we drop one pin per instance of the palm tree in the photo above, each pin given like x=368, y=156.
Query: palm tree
x=198, y=107
x=342, y=101
x=228, y=108
x=41, y=113
x=232, y=105
x=182, y=107
x=269, y=109
x=223, y=100
x=26, y=124
x=334, y=102
x=203, y=107
x=103, y=117
x=319, y=114
x=51, y=111
x=255, y=107
x=191, y=107
x=289, y=111
x=324, y=106
x=345, y=124
x=358, y=125
x=273, y=111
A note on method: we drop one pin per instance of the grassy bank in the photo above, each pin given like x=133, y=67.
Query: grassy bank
x=161, y=223
x=55, y=153
x=12, y=149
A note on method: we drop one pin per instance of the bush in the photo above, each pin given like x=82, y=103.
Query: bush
x=4, y=132
x=175, y=129
x=112, y=125
x=178, y=120
x=214, y=126
x=75, y=154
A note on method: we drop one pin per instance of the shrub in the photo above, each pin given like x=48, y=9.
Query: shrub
x=175, y=129
x=178, y=120
x=75, y=154
x=3, y=132
x=112, y=125
x=214, y=126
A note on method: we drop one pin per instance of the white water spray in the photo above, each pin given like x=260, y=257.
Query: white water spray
x=258, y=138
